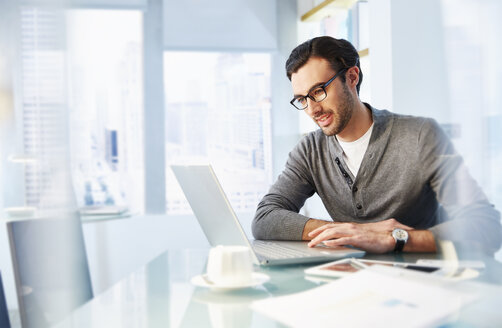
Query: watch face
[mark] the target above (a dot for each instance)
(400, 234)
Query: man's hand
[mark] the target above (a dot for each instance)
(373, 237)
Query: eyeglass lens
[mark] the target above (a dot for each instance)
(317, 95)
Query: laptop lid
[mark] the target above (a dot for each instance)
(210, 205)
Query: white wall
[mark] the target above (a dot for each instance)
(408, 71)
(285, 122)
(380, 54)
(220, 25)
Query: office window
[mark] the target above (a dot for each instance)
(474, 71)
(218, 112)
(43, 99)
(106, 106)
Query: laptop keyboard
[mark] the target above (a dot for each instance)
(273, 250)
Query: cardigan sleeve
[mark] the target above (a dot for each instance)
(469, 217)
(277, 216)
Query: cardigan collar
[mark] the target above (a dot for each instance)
(383, 121)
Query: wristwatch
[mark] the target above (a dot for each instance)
(401, 237)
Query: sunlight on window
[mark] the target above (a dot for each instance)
(106, 101)
(218, 112)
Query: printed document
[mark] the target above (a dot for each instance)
(375, 297)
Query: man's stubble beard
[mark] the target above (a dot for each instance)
(342, 115)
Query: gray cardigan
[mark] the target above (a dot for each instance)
(410, 172)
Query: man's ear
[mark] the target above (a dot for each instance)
(353, 76)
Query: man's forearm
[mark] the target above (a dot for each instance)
(372, 237)
(278, 224)
(420, 241)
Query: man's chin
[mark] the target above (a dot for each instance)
(329, 131)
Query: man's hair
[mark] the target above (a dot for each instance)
(339, 53)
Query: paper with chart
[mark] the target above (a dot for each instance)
(372, 297)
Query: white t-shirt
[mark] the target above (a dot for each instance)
(353, 152)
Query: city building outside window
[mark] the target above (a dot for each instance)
(218, 113)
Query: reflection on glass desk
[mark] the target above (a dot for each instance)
(95, 217)
(160, 295)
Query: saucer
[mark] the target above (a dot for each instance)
(257, 278)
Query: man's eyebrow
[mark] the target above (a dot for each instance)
(311, 88)
(316, 86)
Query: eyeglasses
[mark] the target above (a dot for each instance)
(317, 94)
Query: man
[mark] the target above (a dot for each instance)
(388, 181)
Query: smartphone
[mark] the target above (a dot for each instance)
(345, 267)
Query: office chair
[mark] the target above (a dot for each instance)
(50, 268)
(4, 314)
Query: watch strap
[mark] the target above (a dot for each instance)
(399, 246)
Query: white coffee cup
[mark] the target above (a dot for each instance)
(230, 265)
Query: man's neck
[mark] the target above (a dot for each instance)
(359, 123)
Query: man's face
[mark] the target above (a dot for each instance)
(334, 112)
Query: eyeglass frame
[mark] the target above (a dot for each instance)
(323, 87)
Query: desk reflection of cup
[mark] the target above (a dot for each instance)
(230, 315)
(230, 265)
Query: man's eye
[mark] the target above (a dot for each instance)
(302, 100)
(319, 92)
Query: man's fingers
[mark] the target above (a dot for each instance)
(337, 225)
(325, 235)
(319, 238)
(314, 233)
(317, 231)
(343, 241)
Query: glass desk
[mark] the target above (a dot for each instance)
(160, 295)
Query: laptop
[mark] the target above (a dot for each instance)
(221, 226)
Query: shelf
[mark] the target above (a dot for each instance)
(364, 52)
(327, 8)
(102, 213)
(105, 217)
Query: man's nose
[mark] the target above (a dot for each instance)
(313, 107)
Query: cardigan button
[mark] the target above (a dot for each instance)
(359, 206)
(355, 189)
